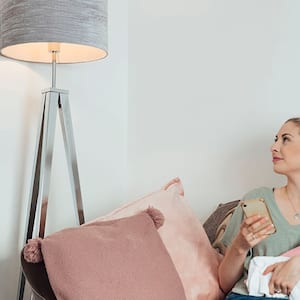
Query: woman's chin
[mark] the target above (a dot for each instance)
(278, 171)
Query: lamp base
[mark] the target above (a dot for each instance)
(53, 100)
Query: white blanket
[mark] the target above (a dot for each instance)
(257, 283)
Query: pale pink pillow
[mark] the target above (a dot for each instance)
(185, 239)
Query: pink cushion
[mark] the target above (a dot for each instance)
(292, 252)
(112, 260)
(184, 237)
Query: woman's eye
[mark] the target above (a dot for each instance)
(285, 139)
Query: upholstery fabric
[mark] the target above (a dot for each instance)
(120, 259)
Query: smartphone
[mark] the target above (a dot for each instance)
(258, 206)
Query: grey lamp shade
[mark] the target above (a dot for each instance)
(76, 28)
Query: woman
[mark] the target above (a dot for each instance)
(284, 205)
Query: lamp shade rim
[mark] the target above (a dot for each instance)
(69, 53)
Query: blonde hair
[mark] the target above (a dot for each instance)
(296, 121)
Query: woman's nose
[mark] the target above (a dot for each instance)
(274, 147)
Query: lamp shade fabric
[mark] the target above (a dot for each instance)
(77, 28)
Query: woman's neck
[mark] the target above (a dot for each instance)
(292, 189)
(288, 201)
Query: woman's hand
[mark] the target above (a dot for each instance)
(231, 267)
(248, 236)
(285, 275)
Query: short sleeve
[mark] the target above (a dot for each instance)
(233, 226)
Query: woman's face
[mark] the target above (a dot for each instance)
(286, 150)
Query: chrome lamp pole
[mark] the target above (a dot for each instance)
(78, 34)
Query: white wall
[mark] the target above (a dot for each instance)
(210, 83)
(98, 99)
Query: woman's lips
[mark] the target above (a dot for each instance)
(276, 159)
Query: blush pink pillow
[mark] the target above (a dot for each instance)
(185, 239)
(110, 260)
(292, 252)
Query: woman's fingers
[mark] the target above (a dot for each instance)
(254, 225)
(270, 269)
(251, 233)
(251, 220)
(284, 277)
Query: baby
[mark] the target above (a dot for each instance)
(257, 283)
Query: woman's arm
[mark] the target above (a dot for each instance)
(231, 267)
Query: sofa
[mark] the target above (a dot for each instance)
(172, 194)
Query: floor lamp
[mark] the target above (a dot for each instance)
(56, 31)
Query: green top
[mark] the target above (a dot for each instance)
(287, 236)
